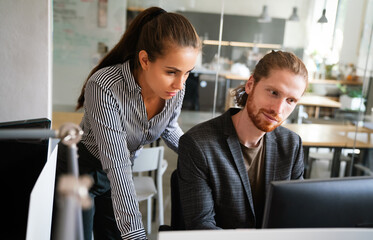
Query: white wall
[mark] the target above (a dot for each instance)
(352, 31)
(25, 59)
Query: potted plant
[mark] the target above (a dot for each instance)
(351, 98)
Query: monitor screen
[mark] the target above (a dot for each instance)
(336, 202)
(22, 163)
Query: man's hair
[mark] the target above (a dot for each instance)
(275, 60)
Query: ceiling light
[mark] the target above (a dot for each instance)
(264, 17)
(323, 18)
(294, 16)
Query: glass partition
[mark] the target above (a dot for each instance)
(363, 141)
(235, 35)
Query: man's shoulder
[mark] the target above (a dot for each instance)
(219, 125)
(210, 127)
(283, 134)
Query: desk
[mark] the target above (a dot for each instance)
(269, 234)
(59, 118)
(317, 102)
(331, 136)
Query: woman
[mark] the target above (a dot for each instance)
(131, 98)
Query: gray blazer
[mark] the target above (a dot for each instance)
(214, 185)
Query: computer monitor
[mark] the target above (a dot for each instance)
(330, 203)
(22, 161)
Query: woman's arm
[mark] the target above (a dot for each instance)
(173, 132)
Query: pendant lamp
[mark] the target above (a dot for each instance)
(323, 18)
(264, 17)
(294, 16)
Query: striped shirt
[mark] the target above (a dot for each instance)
(116, 127)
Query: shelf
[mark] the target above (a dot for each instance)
(235, 77)
(242, 44)
(331, 81)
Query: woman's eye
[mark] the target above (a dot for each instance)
(171, 73)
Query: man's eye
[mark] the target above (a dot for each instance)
(273, 92)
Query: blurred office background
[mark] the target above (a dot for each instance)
(50, 47)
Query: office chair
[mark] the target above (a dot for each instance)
(177, 218)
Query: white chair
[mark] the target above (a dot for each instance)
(316, 158)
(150, 159)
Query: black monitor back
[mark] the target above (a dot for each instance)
(337, 202)
(22, 163)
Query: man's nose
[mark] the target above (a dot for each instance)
(278, 106)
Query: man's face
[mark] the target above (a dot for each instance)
(271, 100)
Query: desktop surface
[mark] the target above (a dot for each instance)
(269, 234)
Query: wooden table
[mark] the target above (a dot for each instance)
(59, 118)
(332, 136)
(317, 102)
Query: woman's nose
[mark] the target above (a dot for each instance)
(179, 83)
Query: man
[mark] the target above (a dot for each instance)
(226, 164)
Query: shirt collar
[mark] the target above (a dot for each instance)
(129, 79)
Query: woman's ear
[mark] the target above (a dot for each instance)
(144, 59)
(249, 85)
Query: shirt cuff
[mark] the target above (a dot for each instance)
(135, 235)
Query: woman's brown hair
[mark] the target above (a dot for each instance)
(153, 30)
(273, 60)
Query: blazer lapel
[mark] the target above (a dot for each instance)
(235, 148)
(271, 155)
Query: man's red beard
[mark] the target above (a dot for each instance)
(257, 119)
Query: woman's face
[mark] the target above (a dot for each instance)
(167, 74)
